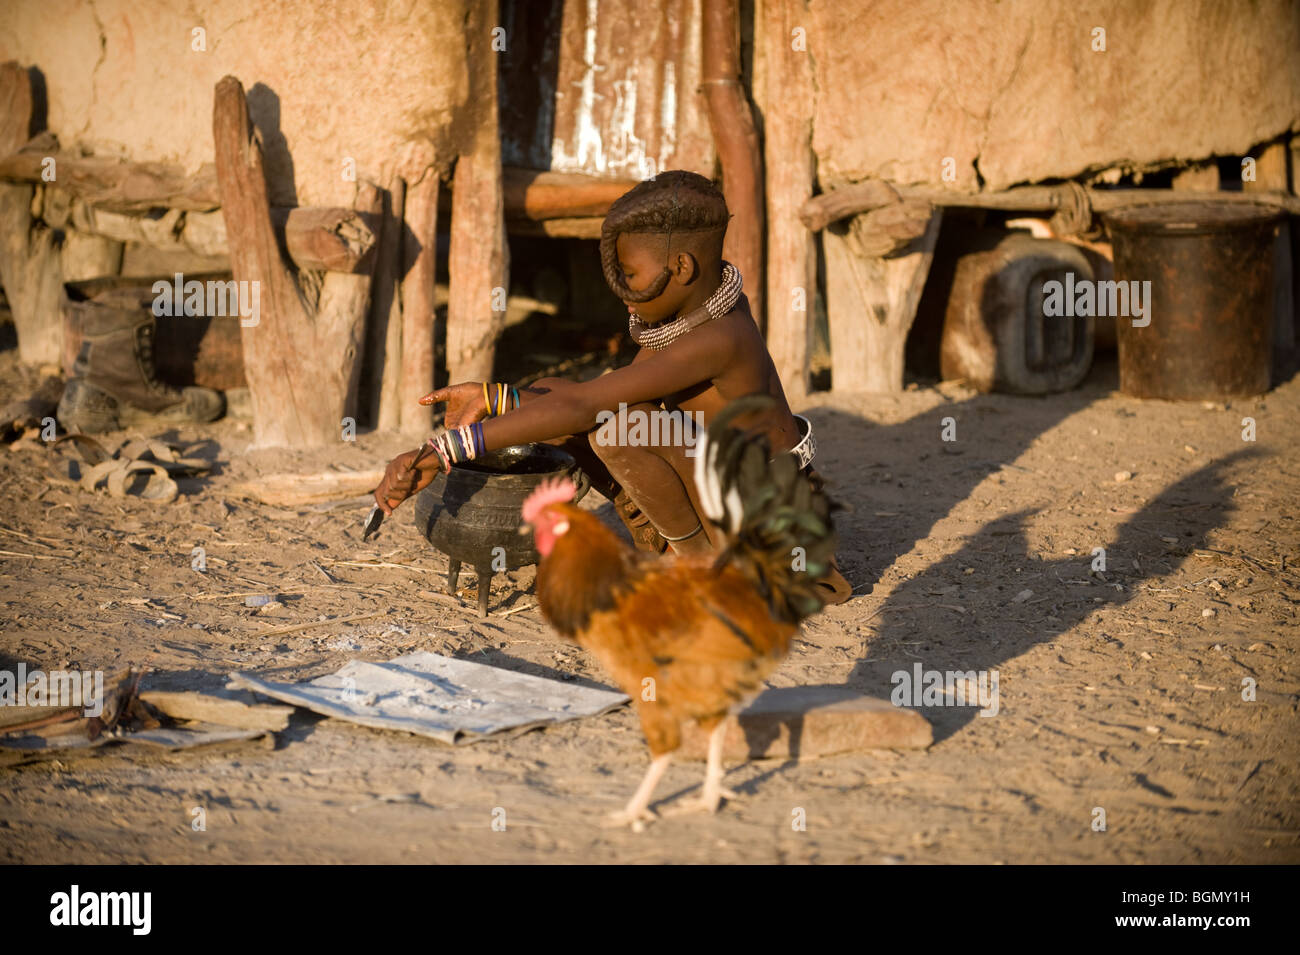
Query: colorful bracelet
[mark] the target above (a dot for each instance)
(497, 398)
(459, 445)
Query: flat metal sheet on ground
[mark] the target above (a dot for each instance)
(455, 701)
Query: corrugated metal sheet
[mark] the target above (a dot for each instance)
(606, 89)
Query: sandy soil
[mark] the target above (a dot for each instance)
(1120, 690)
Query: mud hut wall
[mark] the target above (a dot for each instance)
(375, 88)
(1019, 91)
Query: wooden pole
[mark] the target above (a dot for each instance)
(790, 166)
(736, 139)
(479, 259)
(383, 357)
(418, 305)
(1271, 176)
(29, 255)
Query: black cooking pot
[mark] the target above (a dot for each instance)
(474, 509)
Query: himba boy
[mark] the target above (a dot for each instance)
(700, 349)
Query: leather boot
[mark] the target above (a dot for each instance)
(115, 384)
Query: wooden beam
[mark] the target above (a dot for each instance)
(301, 357)
(116, 184)
(791, 169)
(538, 196)
(821, 210)
(331, 239)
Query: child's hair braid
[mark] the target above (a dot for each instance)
(674, 201)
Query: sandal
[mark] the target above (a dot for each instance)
(121, 472)
(645, 535)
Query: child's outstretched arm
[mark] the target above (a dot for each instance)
(695, 358)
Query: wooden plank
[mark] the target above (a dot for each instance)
(295, 490)
(220, 710)
(871, 303)
(790, 169)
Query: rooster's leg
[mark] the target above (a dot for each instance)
(713, 793)
(638, 812)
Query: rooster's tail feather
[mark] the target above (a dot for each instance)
(777, 525)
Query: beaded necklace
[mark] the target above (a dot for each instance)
(720, 303)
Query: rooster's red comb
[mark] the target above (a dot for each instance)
(550, 491)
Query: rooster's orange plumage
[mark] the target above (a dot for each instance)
(706, 630)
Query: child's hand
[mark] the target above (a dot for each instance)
(465, 403)
(401, 481)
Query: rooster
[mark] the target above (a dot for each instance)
(690, 638)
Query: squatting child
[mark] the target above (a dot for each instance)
(700, 349)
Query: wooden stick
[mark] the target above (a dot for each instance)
(293, 628)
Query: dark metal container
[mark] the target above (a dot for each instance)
(475, 508)
(1210, 265)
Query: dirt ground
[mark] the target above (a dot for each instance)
(1121, 690)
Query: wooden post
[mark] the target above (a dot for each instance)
(418, 305)
(735, 137)
(479, 262)
(29, 256)
(790, 166)
(301, 356)
(1271, 176)
(870, 305)
(383, 356)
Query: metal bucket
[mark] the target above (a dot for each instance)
(1210, 308)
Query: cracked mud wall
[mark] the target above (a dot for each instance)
(1016, 86)
(383, 83)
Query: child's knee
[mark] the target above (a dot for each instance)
(622, 432)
